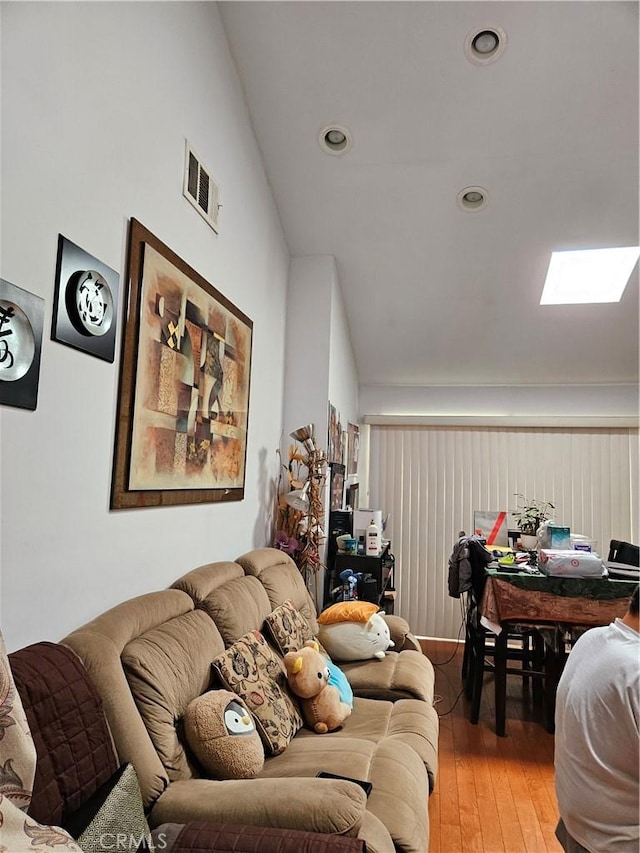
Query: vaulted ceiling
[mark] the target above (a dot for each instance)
(438, 295)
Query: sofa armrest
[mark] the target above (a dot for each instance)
(316, 805)
(411, 644)
(212, 837)
(401, 634)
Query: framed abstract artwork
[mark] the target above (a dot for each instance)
(183, 407)
(85, 302)
(337, 485)
(353, 444)
(21, 321)
(334, 437)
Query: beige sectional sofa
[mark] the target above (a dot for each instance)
(152, 655)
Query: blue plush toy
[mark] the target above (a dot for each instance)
(348, 590)
(339, 680)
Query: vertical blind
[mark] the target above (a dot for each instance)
(431, 479)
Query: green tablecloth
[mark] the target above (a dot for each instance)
(603, 589)
(539, 599)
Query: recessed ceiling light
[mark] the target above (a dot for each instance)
(472, 199)
(588, 275)
(335, 139)
(485, 45)
(485, 42)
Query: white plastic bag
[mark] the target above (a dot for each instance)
(570, 564)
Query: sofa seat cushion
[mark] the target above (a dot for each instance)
(251, 669)
(338, 808)
(400, 786)
(400, 675)
(307, 756)
(408, 721)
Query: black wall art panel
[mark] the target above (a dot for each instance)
(21, 321)
(86, 302)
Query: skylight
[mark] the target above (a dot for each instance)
(588, 275)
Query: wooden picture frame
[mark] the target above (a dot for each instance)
(183, 403)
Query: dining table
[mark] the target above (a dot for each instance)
(559, 608)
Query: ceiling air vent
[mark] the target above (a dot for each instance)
(200, 189)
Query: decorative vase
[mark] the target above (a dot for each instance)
(529, 543)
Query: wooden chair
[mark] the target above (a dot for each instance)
(485, 651)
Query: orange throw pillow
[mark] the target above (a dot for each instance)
(348, 611)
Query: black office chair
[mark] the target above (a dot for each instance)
(486, 652)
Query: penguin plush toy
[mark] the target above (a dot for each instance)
(222, 735)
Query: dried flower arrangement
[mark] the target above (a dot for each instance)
(300, 511)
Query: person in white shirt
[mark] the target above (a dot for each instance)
(597, 741)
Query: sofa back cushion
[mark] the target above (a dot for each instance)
(101, 643)
(238, 607)
(237, 604)
(201, 582)
(281, 580)
(167, 667)
(75, 751)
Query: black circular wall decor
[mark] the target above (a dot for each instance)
(89, 303)
(17, 342)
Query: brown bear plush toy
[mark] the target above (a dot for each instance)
(307, 676)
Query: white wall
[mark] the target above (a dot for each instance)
(320, 365)
(97, 99)
(343, 376)
(497, 404)
(308, 345)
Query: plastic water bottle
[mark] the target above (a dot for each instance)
(373, 539)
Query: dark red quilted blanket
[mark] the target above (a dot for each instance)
(73, 742)
(220, 838)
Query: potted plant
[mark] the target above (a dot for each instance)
(529, 516)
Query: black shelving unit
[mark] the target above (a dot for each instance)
(380, 568)
(340, 522)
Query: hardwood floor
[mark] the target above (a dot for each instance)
(492, 794)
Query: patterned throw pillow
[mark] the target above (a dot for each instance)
(114, 811)
(288, 628)
(251, 669)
